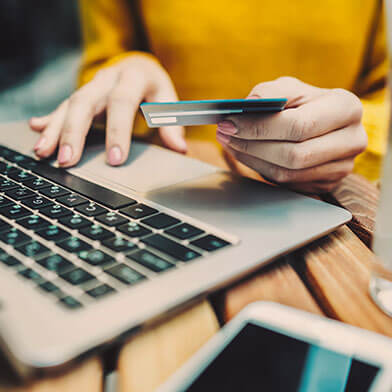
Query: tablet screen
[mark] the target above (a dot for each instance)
(260, 359)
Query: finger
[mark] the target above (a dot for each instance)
(338, 145)
(173, 136)
(331, 171)
(294, 90)
(38, 124)
(84, 105)
(48, 140)
(123, 104)
(328, 112)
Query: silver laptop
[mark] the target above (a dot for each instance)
(93, 254)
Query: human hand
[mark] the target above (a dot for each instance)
(117, 90)
(310, 146)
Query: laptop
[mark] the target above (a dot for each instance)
(90, 255)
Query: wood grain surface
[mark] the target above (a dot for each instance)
(337, 270)
(360, 197)
(87, 377)
(278, 283)
(151, 357)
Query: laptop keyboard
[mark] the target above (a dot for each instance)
(78, 242)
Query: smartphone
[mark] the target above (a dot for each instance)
(187, 113)
(270, 347)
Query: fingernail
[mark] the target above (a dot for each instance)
(65, 154)
(115, 156)
(227, 127)
(40, 143)
(224, 139)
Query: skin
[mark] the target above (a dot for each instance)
(116, 91)
(310, 146)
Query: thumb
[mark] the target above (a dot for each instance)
(294, 90)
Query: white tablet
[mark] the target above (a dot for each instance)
(270, 347)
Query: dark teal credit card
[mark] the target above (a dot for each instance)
(159, 114)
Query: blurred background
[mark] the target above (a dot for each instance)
(40, 54)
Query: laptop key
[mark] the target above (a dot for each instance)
(125, 274)
(134, 230)
(54, 191)
(12, 156)
(7, 169)
(37, 183)
(70, 302)
(9, 260)
(32, 249)
(56, 211)
(100, 291)
(96, 257)
(22, 176)
(19, 193)
(150, 261)
(6, 184)
(184, 231)
(111, 219)
(171, 248)
(96, 232)
(74, 245)
(33, 222)
(77, 276)
(14, 211)
(72, 200)
(56, 263)
(210, 243)
(4, 201)
(28, 273)
(138, 211)
(49, 287)
(37, 202)
(118, 244)
(28, 163)
(160, 221)
(91, 209)
(53, 233)
(75, 222)
(4, 226)
(14, 237)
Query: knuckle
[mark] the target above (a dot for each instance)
(353, 102)
(288, 81)
(361, 140)
(281, 174)
(299, 129)
(123, 97)
(241, 145)
(77, 98)
(298, 157)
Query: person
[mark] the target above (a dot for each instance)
(156, 50)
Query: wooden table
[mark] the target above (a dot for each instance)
(328, 277)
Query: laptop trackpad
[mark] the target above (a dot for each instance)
(148, 167)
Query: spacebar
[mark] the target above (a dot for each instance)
(86, 188)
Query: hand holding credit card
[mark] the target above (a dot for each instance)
(187, 113)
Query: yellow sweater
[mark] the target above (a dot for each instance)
(222, 48)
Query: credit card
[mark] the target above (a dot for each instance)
(159, 114)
